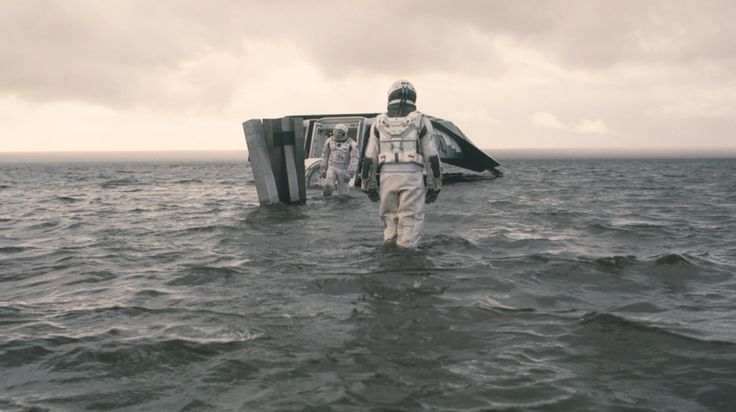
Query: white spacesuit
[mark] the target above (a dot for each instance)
(401, 147)
(339, 161)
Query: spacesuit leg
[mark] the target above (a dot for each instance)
(389, 204)
(330, 180)
(411, 211)
(343, 188)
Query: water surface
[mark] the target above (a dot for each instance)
(568, 284)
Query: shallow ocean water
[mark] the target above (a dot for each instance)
(568, 284)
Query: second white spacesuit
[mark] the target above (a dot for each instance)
(339, 161)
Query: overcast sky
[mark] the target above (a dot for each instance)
(184, 75)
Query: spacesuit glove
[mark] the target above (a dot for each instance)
(347, 178)
(323, 174)
(431, 196)
(372, 194)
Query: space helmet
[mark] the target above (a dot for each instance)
(340, 127)
(402, 92)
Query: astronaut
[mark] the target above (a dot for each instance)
(402, 148)
(339, 161)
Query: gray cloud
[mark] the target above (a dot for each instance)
(98, 51)
(113, 52)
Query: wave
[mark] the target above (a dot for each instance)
(114, 311)
(640, 307)
(642, 226)
(673, 267)
(230, 371)
(130, 358)
(67, 199)
(612, 324)
(444, 241)
(115, 183)
(15, 249)
(202, 275)
(489, 303)
(175, 345)
(663, 261)
(638, 230)
(530, 243)
(617, 262)
(133, 312)
(10, 310)
(94, 276)
(207, 229)
(14, 354)
(74, 225)
(45, 225)
(562, 214)
(150, 293)
(673, 259)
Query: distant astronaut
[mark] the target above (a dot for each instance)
(402, 147)
(339, 161)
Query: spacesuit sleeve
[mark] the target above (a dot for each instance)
(325, 156)
(431, 155)
(353, 165)
(370, 160)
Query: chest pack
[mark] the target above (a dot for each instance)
(340, 153)
(399, 138)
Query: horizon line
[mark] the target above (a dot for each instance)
(585, 148)
(242, 154)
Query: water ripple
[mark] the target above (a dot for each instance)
(565, 285)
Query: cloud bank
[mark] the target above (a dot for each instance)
(626, 66)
